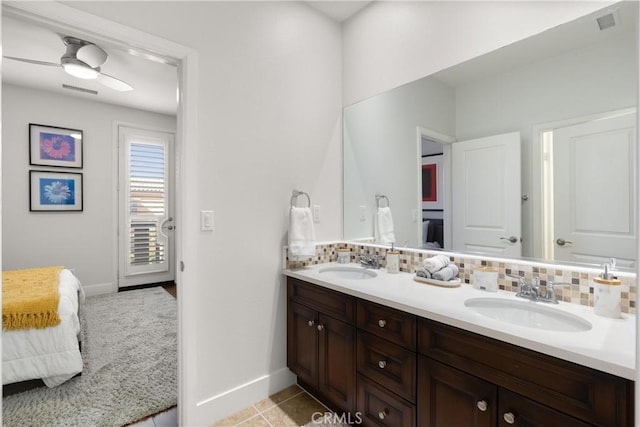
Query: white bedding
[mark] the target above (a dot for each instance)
(52, 354)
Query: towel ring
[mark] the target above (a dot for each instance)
(381, 196)
(297, 193)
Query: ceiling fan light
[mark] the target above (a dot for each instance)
(80, 71)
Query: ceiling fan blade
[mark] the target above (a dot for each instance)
(33, 61)
(114, 83)
(92, 55)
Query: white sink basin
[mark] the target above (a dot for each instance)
(528, 314)
(345, 272)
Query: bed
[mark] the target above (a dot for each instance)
(51, 354)
(432, 233)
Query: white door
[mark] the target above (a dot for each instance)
(593, 185)
(146, 225)
(486, 199)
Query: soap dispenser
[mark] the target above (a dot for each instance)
(393, 261)
(606, 291)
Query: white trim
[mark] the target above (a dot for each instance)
(231, 401)
(99, 289)
(82, 23)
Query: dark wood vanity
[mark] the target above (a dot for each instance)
(396, 369)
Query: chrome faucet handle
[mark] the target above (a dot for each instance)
(522, 284)
(550, 294)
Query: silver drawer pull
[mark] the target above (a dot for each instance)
(509, 418)
(311, 322)
(320, 327)
(382, 323)
(382, 414)
(482, 405)
(382, 364)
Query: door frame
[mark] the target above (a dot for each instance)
(186, 59)
(446, 142)
(537, 207)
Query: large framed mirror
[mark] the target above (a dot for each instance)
(528, 151)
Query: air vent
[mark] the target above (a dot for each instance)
(80, 89)
(607, 21)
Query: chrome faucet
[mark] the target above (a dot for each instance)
(531, 291)
(370, 261)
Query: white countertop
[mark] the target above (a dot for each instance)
(609, 346)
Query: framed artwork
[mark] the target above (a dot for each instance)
(432, 182)
(55, 146)
(55, 191)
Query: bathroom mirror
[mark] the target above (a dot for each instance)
(572, 75)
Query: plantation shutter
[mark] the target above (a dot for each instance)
(147, 202)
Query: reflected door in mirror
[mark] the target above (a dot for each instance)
(593, 186)
(486, 182)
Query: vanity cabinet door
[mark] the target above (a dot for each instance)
(449, 397)
(302, 342)
(515, 410)
(337, 361)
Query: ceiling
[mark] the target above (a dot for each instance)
(154, 82)
(339, 11)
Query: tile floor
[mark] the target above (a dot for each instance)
(290, 407)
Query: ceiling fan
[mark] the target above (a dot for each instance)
(82, 60)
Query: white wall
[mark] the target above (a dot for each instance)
(269, 106)
(381, 154)
(391, 43)
(81, 240)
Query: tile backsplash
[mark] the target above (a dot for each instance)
(579, 281)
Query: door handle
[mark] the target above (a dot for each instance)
(162, 224)
(562, 242)
(512, 239)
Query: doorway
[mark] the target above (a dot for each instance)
(146, 209)
(588, 183)
(185, 59)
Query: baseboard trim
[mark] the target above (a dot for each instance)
(99, 289)
(231, 401)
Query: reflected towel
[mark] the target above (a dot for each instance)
(301, 233)
(384, 226)
(435, 263)
(447, 273)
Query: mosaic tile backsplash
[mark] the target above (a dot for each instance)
(579, 288)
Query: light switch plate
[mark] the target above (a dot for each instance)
(206, 220)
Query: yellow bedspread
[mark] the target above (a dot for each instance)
(30, 298)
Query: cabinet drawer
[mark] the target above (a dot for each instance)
(379, 407)
(584, 393)
(388, 364)
(336, 304)
(394, 325)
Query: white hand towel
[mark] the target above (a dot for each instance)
(301, 233)
(435, 263)
(447, 273)
(384, 226)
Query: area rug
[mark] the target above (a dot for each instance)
(129, 351)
